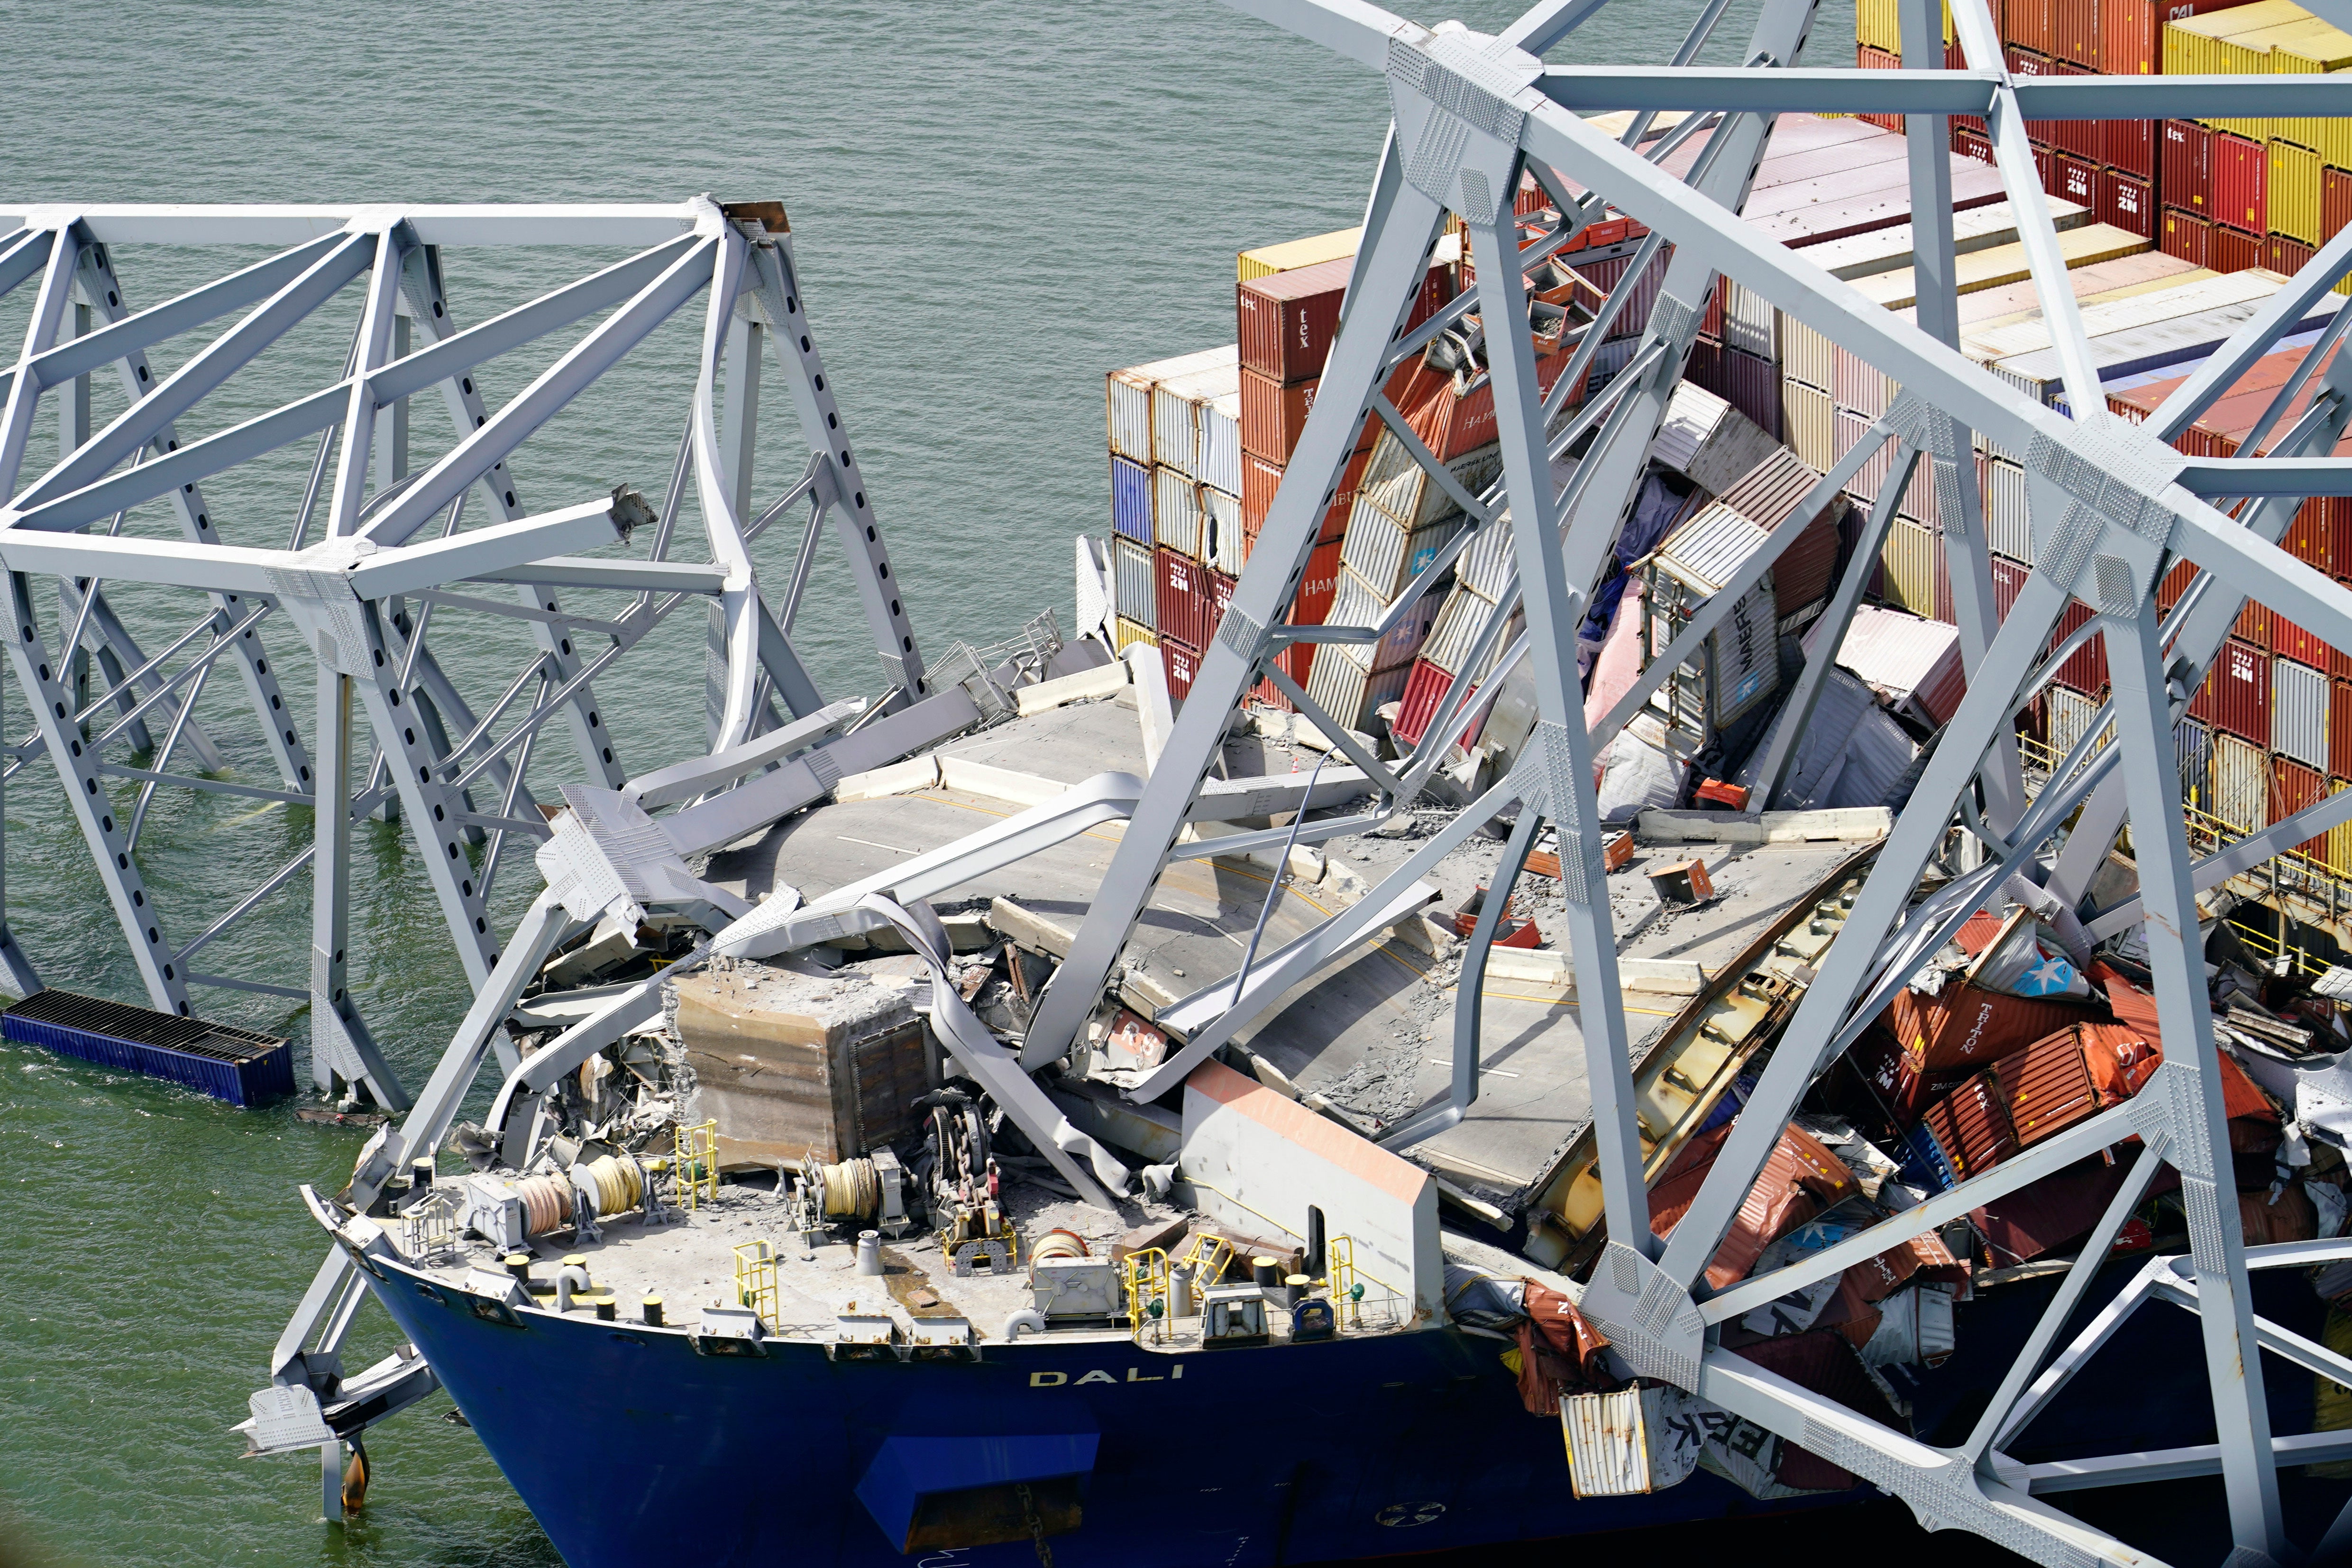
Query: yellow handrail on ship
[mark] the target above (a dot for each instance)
(696, 1166)
(755, 1279)
(1146, 1286)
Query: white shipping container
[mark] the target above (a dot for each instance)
(1626, 1443)
(1135, 595)
(2071, 713)
(1486, 562)
(1176, 511)
(2173, 341)
(2192, 746)
(1221, 529)
(2002, 338)
(1355, 603)
(1348, 692)
(1409, 493)
(1220, 442)
(1179, 405)
(1128, 397)
(1750, 324)
(2299, 713)
(1892, 249)
(2237, 790)
(2009, 528)
(1380, 550)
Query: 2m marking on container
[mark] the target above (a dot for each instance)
(1134, 1374)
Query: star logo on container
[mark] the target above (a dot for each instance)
(2048, 978)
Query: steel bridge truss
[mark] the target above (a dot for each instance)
(380, 548)
(2112, 508)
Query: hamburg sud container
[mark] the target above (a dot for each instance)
(1127, 398)
(2236, 696)
(1738, 665)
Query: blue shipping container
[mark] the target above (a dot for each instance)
(237, 1065)
(1130, 498)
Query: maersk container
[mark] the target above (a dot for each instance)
(1127, 398)
(1741, 667)
(1135, 590)
(1130, 498)
(2237, 790)
(2299, 713)
(1176, 512)
(1179, 410)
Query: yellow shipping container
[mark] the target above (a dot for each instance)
(2339, 838)
(1293, 254)
(1127, 633)
(1879, 24)
(1807, 416)
(2314, 48)
(2295, 191)
(2203, 46)
(1998, 265)
(1910, 560)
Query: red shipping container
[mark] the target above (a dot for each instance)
(2290, 641)
(1424, 689)
(2187, 236)
(2046, 166)
(2286, 255)
(1219, 589)
(1181, 665)
(1963, 1029)
(2231, 251)
(2129, 145)
(2175, 584)
(1866, 57)
(2126, 202)
(2007, 579)
(1705, 369)
(2131, 32)
(1262, 477)
(2293, 788)
(2029, 25)
(1752, 385)
(1274, 416)
(2241, 173)
(1318, 586)
(2030, 61)
(1286, 319)
(2079, 137)
(2078, 180)
(2188, 173)
(2074, 35)
(1972, 143)
(2085, 669)
(1972, 1126)
(1451, 424)
(1181, 594)
(2339, 728)
(2047, 1086)
(2253, 627)
(2236, 696)
(2335, 203)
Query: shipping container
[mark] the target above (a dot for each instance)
(1770, 496)
(1424, 689)
(1412, 497)
(2338, 841)
(1348, 692)
(2075, 138)
(1261, 478)
(2299, 713)
(2008, 579)
(1318, 583)
(1914, 564)
(1454, 636)
(1972, 144)
(2240, 184)
(1866, 57)
(1179, 411)
(2131, 32)
(1182, 590)
(1808, 417)
(1292, 254)
(2074, 34)
(2069, 717)
(1452, 421)
(1274, 416)
(2078, 176)
(1127, 398)
(1750, 324)
(2187, 181)
(2294, 189)
(1130, 498)
(2237, 790)
(2293, 788)
(1176, 512)
(2128, 202)
(1181, 663)
(2284, 256)
(2030, 24)
(1220, 442)
(1127, 633)
(2187, 236)
(2008, 526)
(2045, 165)
(2085, 670)
(1752, 385)
(1962, 1028)
(2236, 696)
(1222, 542)
(2200, 45)
(1857, 386)
(2335, 203)
(2314, 48)
(1488, 562)
(2233, 251)
(2192, 748)
(2339, 731)
(1135, 583)
(1380, 550)
(1739, 666)
(1286, 319)
(2128, 147)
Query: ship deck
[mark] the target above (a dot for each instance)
(1369, 1037)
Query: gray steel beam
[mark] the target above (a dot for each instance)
(1934, 91)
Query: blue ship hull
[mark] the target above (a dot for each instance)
(630, 1446)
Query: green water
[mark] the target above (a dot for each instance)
(992, 206)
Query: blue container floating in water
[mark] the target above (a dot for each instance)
(237, 1065)
(1130, 498)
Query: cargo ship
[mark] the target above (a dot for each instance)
(850, 1196)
